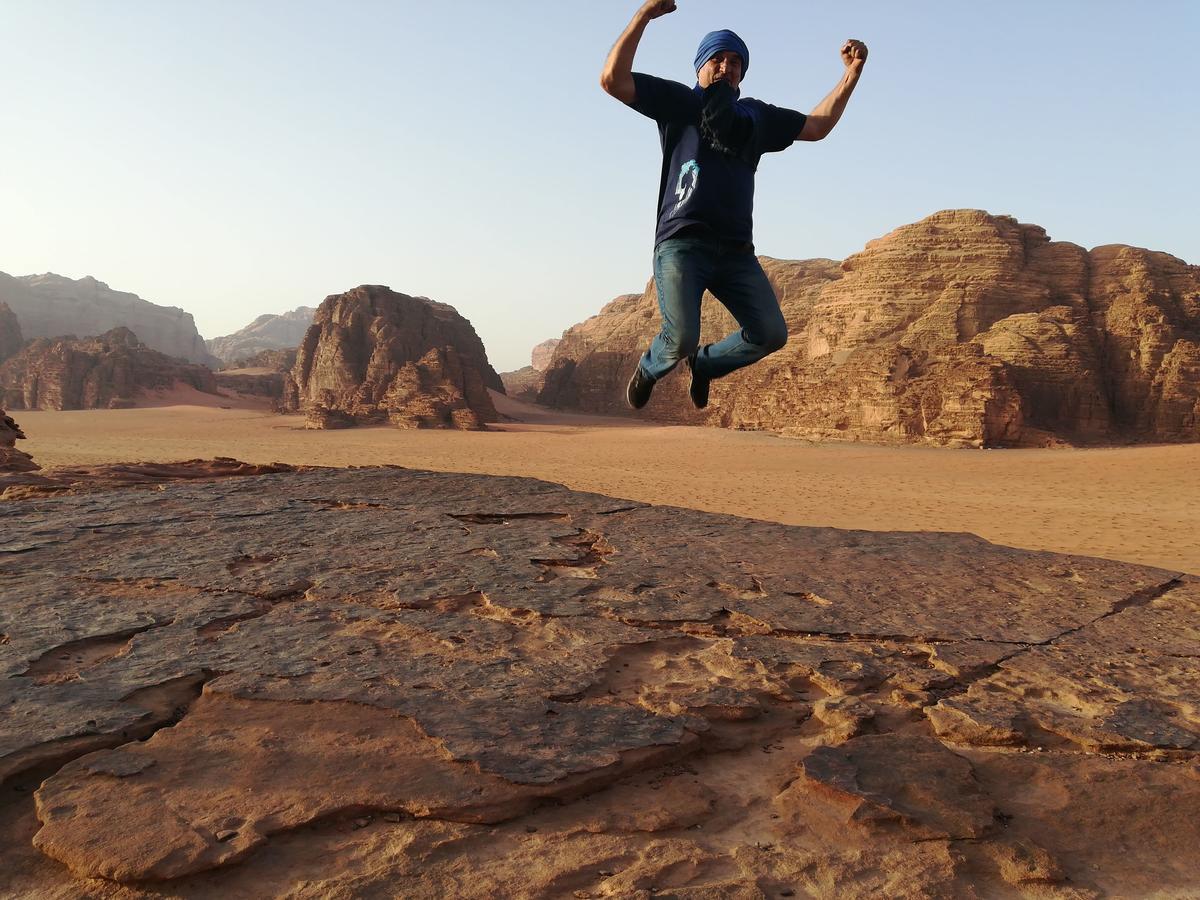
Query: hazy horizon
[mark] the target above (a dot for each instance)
(234, 160)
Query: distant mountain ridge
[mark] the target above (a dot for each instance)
(284, 331)
(51, 306)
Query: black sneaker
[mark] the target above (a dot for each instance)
(698, 390)
(637, 392)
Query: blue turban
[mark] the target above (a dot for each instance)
(716, 41)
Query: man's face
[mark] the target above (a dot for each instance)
(723, 66)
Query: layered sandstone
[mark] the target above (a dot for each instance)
(11, 338)
(963, 329)
(268, 332)
(375, 356)
(109, 371)
(389, 682)
(50, 306)
(526, 383)
(12, 459)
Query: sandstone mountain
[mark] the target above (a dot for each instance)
(374, 356)
(963, 329)
(526, 383)
(398, 683)
(12, 459)
(51, 306)
(267, 332)
(108, 371)
(11, 339)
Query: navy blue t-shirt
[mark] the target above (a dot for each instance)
(701, 185)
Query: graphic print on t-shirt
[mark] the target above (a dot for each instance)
(685, 186)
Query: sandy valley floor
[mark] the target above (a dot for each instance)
(1140, 504)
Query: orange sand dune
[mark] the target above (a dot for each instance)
(1140, 504)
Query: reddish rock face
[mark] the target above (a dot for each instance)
(104, 372)
(961, 329)
(543, 354)
(374, 356)
(10, 333)
(12, 459)
(526, 383)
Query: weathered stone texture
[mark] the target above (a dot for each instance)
(51, 306)
(11, 339)
(109, 371)
(962, 329)
(424, 684)
(12, 459)
(374, 356)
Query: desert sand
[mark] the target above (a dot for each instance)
(1137, 504)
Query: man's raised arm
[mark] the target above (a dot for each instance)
(827, 113)
(617, 77)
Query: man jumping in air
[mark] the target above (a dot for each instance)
(712, 141)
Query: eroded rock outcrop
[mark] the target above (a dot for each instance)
(526, 383)
(11, 338)
(524, 689)
(109, 371)
(284, 331)
(374, 356)
(263, 374)
(963, 329)
(49, 306)
(12, 459)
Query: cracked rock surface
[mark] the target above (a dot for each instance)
(388, 682)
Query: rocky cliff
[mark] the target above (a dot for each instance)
(267, 332)
(11, 339)
(50, 306)
(962, 329)
(12, 459)
(526, 383)
(373, 355)
(108, 371)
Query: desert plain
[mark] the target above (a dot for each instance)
(1136, 503)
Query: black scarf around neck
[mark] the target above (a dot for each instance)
(724, 126)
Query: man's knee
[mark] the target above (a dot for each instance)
(774, 337)
(679, 346)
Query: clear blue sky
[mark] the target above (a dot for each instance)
(236, 158)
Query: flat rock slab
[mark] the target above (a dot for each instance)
(211, 669)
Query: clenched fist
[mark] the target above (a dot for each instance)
(652, 9)
(854, 54)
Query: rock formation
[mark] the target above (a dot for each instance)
(109, 371)
(374, 356)
(963, 329)
(260, 375)
(12, 459)
(11, 339)
(387, 682)
(50, 306)
(526, 383)
(268, 332)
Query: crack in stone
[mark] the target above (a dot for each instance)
(1144, 597)
(506, 518)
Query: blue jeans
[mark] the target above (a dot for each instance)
(683, 268)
